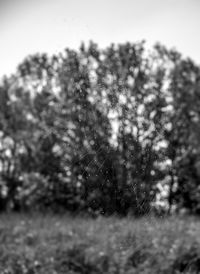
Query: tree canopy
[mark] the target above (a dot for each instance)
(112, 130)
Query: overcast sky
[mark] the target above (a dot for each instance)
(28, 26)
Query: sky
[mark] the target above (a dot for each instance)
(28, 27)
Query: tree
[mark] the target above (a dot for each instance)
(101, 130)
(185, 137)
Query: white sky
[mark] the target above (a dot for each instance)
(30, 26)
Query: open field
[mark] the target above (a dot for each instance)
(63, 244)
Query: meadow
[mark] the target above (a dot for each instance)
(37, 243)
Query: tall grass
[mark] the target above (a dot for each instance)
(63, 244)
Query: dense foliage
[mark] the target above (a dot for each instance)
(106, 131)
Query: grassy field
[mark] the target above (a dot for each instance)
(62, 244)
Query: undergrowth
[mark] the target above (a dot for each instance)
(39, 244)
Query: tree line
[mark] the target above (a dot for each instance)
(105, 131)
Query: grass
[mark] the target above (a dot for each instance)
(62, 244)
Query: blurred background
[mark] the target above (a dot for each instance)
(92, 117)
(99, 137)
